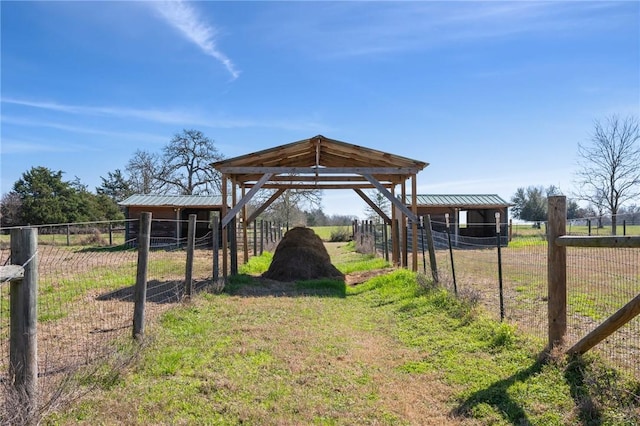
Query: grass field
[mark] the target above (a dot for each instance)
(390, 350)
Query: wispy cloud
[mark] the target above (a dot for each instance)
(14, 146)
(170, 117)
(186, 19)
(407, 26)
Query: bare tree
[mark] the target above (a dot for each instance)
(381, 202)
(289, 207)
(186, 164)
(609, 173)
(10, 209)
(143, 169)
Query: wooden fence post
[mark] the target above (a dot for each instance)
(557, 271)
(23, 341)
(432, 250)
(234, 246)
(216, 249)
(140, 291)
(191, 242)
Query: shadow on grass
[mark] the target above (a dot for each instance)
(498, 397)
(157, 292)
(250, 286)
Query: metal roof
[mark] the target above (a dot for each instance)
(172, 200)
(460, 200)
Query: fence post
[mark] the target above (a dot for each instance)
(140, 291)
(453, 268)
(215, 249)
(255, 237)
(261, 237)
(499, 244)
(234, 246)
(557, 271)
(23, 342)
(68, 236)
(191, 242)
(432, 250)
(110, 234)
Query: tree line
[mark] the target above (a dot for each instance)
(607, 178)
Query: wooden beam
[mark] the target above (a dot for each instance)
(371, 204)
(234, 211)
(394, 201)
(266, 204)
(314, 186)
(596, 241)
(608, 327)
(320, 170)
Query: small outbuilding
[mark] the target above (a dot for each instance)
(170, 214)
(471, 216)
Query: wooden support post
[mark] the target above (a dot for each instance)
(110, 234)
(225, 231)
(68, 235)
(23, 339)
(245, 242)
(395, 234)
(414, 224)
(405, 229)
(140, 290)
(557, 271)
(191, 243)
(234, 235)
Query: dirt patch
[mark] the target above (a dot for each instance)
(356, 278)
(301, 255)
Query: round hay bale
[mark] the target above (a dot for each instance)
(301, 255)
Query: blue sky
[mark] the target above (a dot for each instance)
(494, 95)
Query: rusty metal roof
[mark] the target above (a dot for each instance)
(149, 200)
(460, 200)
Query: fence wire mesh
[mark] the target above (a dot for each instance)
(85, 299)
(599, 281)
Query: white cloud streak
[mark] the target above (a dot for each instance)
(185, 19)
(180, 118)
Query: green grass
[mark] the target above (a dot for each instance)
(324, 232)
(359, 358)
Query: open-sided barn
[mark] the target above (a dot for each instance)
(479, 209)
(170, 214)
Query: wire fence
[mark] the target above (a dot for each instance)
(85, 302)
(511, 283)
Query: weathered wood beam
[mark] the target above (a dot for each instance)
(315, 186)
(608, 327)
(596, 241)
(234, 211)
(320, 170)
(266, 204)
(371, 204)
(399, 204)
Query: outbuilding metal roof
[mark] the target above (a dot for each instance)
(460, 200)
(148, 200)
